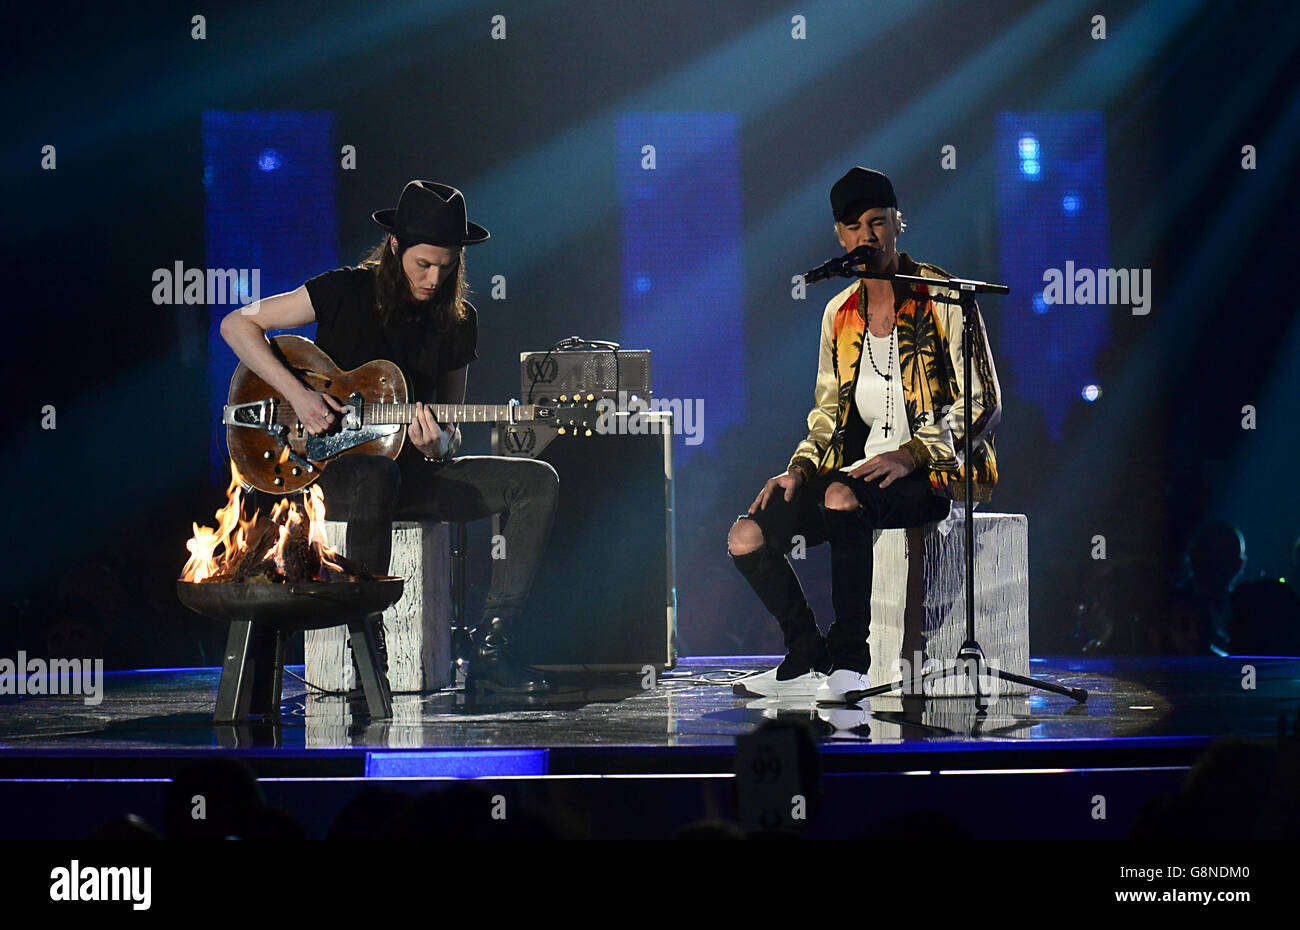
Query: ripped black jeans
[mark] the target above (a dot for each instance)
(908, 501)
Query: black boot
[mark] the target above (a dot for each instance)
(777, 586)
(494, 668)
(851, 571)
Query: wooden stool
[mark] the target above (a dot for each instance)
(417, 629)
(918, 599)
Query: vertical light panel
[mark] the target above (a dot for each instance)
(269, 178)
(681, 235)
(1052, 214)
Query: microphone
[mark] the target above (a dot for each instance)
(840, 266)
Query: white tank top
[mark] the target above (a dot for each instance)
(870, 398)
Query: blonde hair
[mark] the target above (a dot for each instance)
(895, 214)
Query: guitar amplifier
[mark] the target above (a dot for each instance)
(605, 596)
(546, 375)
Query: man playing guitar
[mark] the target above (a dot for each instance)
(406, 303)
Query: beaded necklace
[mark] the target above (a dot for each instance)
(889, 366)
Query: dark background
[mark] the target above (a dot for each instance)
(97, 511)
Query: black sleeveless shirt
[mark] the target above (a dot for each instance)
(350, 332)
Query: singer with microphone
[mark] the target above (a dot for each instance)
(884, 440)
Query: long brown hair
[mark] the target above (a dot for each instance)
(393, 298)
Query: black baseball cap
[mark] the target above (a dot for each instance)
(860, 190)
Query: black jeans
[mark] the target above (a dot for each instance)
(371, 491)
(908, 501)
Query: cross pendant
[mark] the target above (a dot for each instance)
(886, 429)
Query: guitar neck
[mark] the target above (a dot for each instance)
(383, 414)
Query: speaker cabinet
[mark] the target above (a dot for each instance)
(605, 596)
(544, 376)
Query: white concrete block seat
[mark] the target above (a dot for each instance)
(417, 628)
(918, 599)
(918, 605)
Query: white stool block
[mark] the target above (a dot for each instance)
(332, 724)
(918, 600)
(417, 628)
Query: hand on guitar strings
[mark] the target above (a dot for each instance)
(313, 410)
(425, 434)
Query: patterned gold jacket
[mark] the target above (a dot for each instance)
(929, 353)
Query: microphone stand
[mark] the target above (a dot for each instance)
(970, 655)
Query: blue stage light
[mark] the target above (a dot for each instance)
(1091, 392)
(303, 241)
(457, 763)
(1054, 350)
(680, 242)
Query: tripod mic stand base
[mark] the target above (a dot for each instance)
(969, 653)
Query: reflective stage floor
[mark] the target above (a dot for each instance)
(610, 759)
(1156, 710)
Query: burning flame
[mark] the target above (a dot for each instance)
(215, 551)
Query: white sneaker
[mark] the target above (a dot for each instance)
(845, 719)
(764, 684)
(840, 682)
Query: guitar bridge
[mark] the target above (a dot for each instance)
(258, 414)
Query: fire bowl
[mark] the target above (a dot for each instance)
(262, 615)
(311, 605)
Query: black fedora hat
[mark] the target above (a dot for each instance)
(433, 213)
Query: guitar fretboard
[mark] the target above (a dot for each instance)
(384, 414)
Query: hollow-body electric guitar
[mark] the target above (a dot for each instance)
(276, 454)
